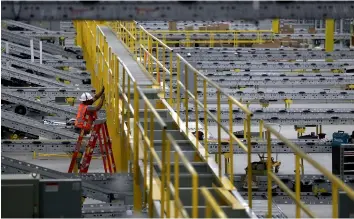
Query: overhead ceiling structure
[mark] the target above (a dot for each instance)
(175, 10)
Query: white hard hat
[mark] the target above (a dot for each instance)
(85, 97)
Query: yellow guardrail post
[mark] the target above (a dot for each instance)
(219, 131)
(300, 154)
(137, 190)
(269, 179)
(231, 143)
(249, 159)
(205, 101)
(211, 205)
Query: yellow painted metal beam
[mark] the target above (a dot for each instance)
(329, 42)
(276, 25)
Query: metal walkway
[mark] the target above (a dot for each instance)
(118, 48)
(162, 125)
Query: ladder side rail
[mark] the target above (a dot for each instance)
(89, 150)
(106, 147)
(110, 152)
(76, 151)
(102, 149)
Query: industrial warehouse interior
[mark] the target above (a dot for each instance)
(177, 109)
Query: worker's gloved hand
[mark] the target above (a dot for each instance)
(102, 88)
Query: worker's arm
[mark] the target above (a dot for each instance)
(99, 106)
(98, 95)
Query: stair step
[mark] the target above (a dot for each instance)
(204, 179)
(190, 155)
(164, 113)
(184, 145)
(200, 167)
(171, 125)
(230, 213)
(185, 195)
(176, 134)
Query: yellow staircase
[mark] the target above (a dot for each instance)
(174, 175)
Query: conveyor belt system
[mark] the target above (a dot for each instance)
(43, 146)
(231, 81)
(279, 94)
(51, 92)
(106, 210)
(46, 33)
(67, 145)
(77, 78)
(63, 63)
(286, 74)
(315, 120)
(9, 73)
(25, 41)
(18, 49)
(308, 145)
(62, 111)
(108, 193)
(283, 116)
(231, 56)
(225, 65)
(259, 51)
(23, 25)
(230, 36)
(311, 185)
(31, 126)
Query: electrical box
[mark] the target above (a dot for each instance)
(60, 198)
(19, 195)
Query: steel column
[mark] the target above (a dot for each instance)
(329, 42)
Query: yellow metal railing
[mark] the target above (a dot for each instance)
(213, 37)
(337, 184)
(148, 59)
(124, 98)
(211, 205)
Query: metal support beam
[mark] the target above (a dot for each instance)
(174, 10)
(275, 25)
(329, 42)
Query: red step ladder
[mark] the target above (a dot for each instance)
(100, 133)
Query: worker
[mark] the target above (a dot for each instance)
(87, 100)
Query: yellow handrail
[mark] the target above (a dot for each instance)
(211, 204)
(148, 43)
(212, 37)
(124, 98)
(300, 154)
